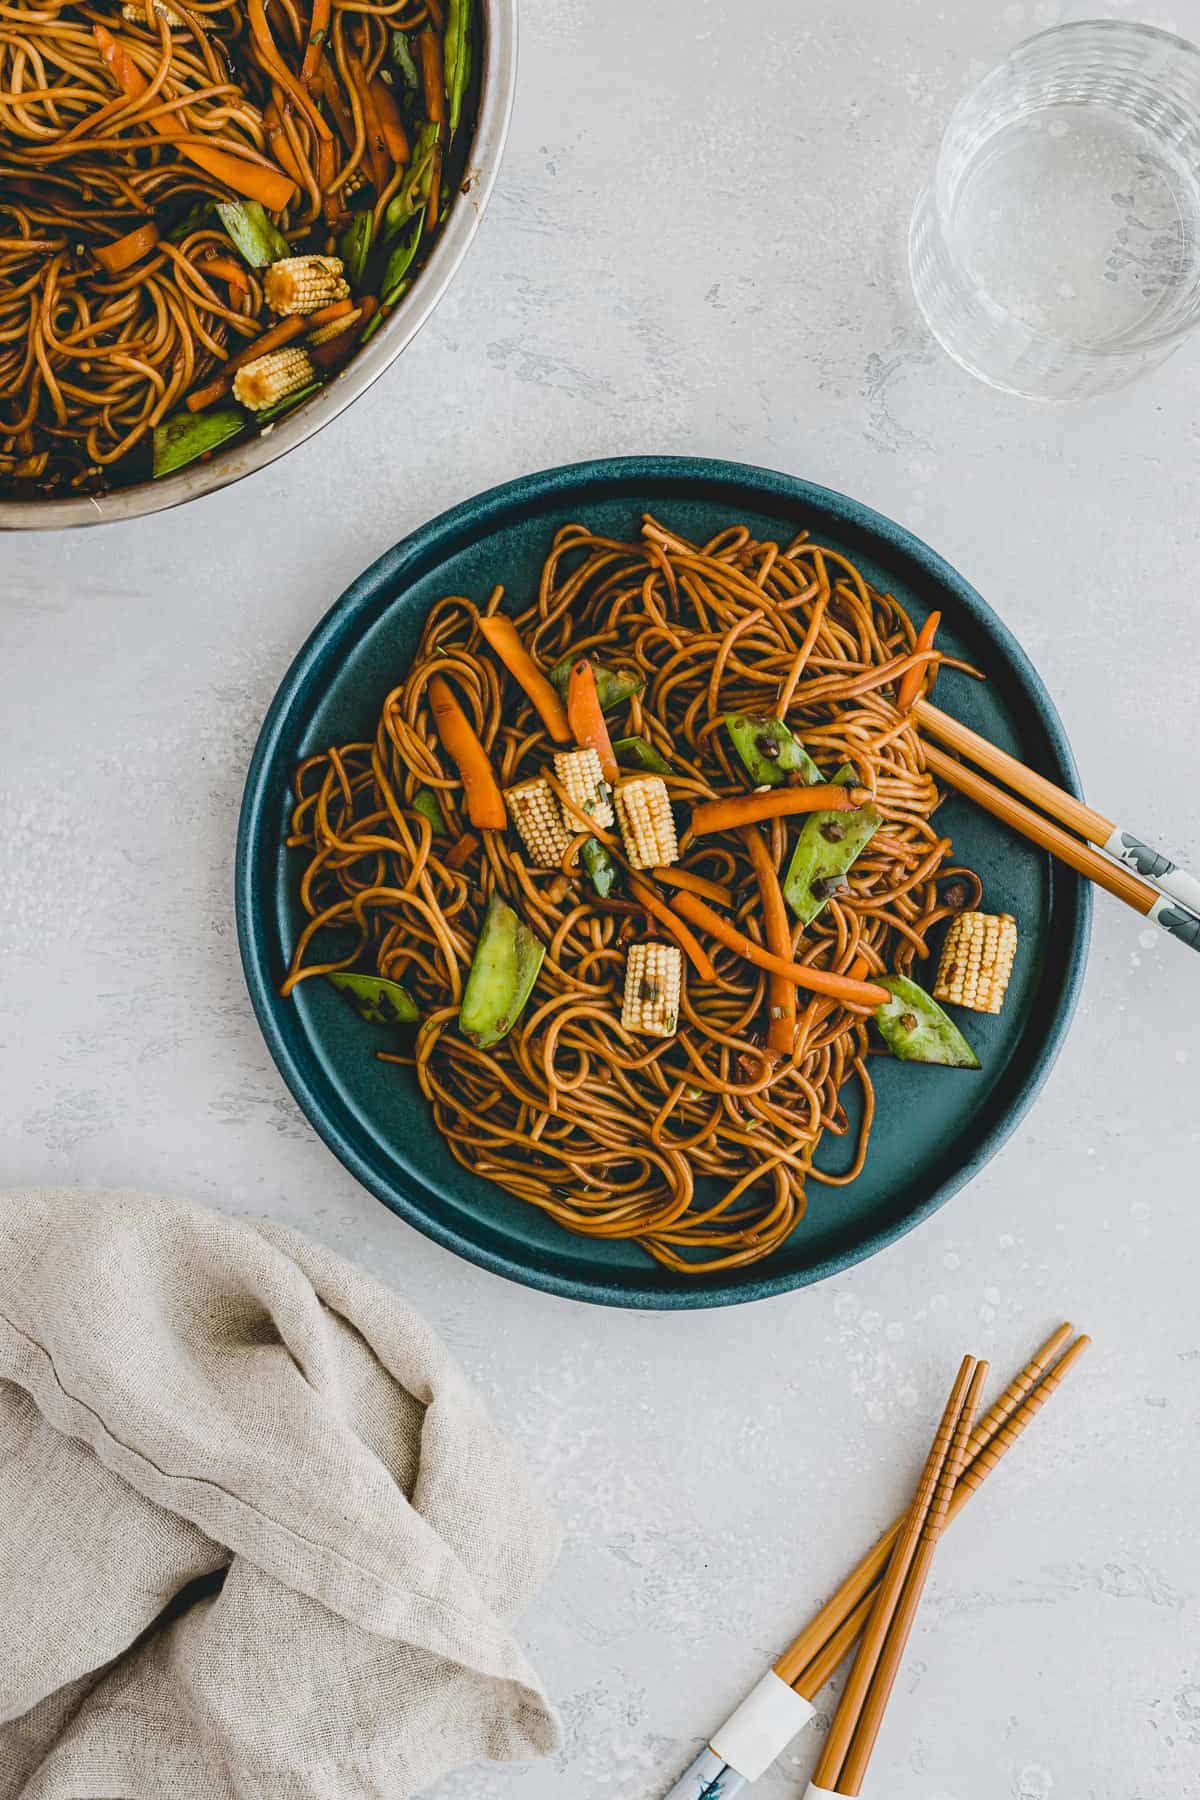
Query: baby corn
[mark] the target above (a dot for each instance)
(647, 825)
(335, 327)
(535, 812)
(976, 961)
(303, 284)
(653, 974)
(136, 15)
(584, 785)
(271, 378)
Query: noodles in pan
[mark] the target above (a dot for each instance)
(699, 1144)
(156, 158)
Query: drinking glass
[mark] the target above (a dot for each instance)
(1056, 251)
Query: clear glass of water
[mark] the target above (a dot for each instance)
(1056, 251)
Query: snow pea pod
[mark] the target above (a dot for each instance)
(827, 847)
(503, 970)
(773, 754)
(613, 686)
(180, 439)
(257, 238)
(378, 1001)
(637, 753)
(426, 802)
(915, 1029)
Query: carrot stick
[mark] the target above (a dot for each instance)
(695, 884)
(388, 109)
(431, 76)
(335, 349)
(318, 31)
(504, 638)
(461, 852)
(256, 182)
(225, 269)
(377, 150)
(275, 339)
(781, 993)
(280, 144)
(585, 716)
(910, 681)
(748, 809)
(260, 31)
(817, 981)
(692, 949)
(124, 251)
(485, 802)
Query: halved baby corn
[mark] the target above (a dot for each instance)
(976, 961)
(535, 812)
(584, 785)
(653, 977)
(271, 378)
(647, 824)
(303, 284)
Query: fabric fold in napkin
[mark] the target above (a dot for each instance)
(258, 1537)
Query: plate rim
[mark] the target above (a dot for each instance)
(476, 516)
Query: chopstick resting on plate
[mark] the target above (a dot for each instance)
(781, 1704)
(1170, 897)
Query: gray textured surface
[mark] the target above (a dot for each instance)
(696, 246)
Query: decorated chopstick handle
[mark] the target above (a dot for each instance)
(748, 1742)
(709, 1777)
(1182, 921)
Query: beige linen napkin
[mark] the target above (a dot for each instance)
(258, 1538)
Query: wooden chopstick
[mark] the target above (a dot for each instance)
(871, 1718)
(1129, 849)
(979, 1465)
(817, 1634)
(1077, 855)
(929, 1490)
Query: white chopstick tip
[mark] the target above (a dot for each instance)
(816, 1793)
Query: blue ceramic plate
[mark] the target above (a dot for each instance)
(935, 1128)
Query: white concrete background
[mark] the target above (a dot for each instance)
(696, 246)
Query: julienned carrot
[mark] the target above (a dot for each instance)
(225, 269)
(318, 31)
(275, 66)
(504, 638)
(910, 681)
(431, 76)
(817, 981)
(377, 149)
(388, 109)
(275, 339)
(125, 251)
(280, 144)
(485, 802)
(695, 884)
(461, 852)
(748, 809)
(695, 952)
(585, 716)
(270, 185)
(781, 993)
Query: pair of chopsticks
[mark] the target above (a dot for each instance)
(781, 1704)
(1121, 861)
(851, 1739)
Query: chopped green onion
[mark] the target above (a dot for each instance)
(403, 58)
(286, 404)
(354, 246)
(400, 261)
